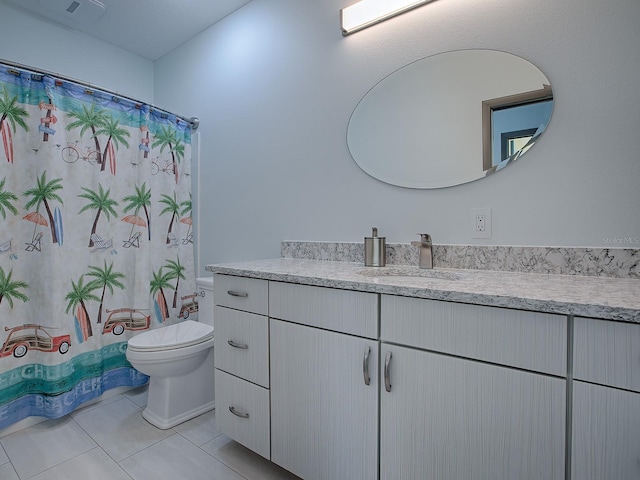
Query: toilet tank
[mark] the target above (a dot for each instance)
(204, 286)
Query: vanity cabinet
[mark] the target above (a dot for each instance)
(333, 384)
(606, 400)
(241, 357)
(452, 405)
(324, 382)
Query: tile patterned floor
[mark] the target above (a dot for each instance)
(110, 440)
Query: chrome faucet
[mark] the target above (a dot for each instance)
(426, 252)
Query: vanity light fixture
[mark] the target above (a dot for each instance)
(365, 13)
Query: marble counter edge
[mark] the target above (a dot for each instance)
(288, 270)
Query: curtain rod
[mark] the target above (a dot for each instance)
(193, 122)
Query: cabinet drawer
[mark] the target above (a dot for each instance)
(342, 311)
(248, 294)
(242, 344)
(528, 340)
(607, 353)
(250, 424)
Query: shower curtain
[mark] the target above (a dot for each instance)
(96, 239)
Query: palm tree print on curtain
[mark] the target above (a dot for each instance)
(101, 202)
(140, 200)
(167, 139)
(11, 289)
(89, 118)
(172, 207)
(116, 135)
(42, 194)
(175, 271)
(94, 247)
(160, 281)
(11, 115)
(105, 278)
(7, 200)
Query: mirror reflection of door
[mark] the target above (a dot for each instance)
(512, 142)
(511, 124)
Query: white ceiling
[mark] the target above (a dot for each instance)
(150, 28)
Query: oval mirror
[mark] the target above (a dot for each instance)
(450, 118)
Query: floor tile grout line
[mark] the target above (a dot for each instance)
(97, 447)
(151, 445)
(146, 447)
(103, 449)
(89, 435)
(223, 463)
(85, 409)
(5, 451)
(114, 460)
(122, 469)
(134, 453)
(195, 444)
(128, 399)
(14, 469)
(68, 417)
(186, 434)
(230, 467)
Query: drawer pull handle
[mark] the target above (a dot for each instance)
(365, 366)
(234, 293)
(233, 410)
(387, 376)
(237, 345)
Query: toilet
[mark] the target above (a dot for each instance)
(179, 361)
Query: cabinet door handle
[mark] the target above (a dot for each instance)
(233, 410)
(235, 293)
(237, 345)
(365, 366)
(387, 376)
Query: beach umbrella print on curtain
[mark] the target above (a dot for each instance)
(187, 221)
(134, 238)
(38, 219)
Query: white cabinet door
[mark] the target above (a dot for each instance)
(324, 418)
(451, 418)
(606, 433)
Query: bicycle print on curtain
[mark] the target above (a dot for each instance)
(95, 239)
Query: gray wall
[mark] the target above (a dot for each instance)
(31, 40)
(274, 85)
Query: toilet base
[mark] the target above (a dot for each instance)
(166, 423)
(173, 400)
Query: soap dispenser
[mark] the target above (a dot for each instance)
(375, 250)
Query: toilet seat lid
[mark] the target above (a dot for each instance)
(181, 334)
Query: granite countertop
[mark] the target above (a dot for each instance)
(589, 296)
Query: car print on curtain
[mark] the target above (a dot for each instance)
(95, 239)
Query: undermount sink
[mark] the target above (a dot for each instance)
(409, 273)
